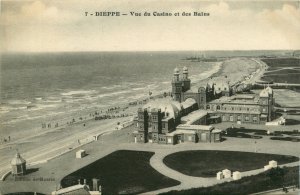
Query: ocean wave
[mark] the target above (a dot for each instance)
(111, 87)
(78, 92)
(138, 88)
(18, 102)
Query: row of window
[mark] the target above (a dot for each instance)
(239, 118)
(232, 108)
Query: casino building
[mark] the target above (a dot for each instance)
(186, 115)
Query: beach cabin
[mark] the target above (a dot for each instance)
(236, 175)
(273, 164)
(80, 154)
(220, 175)
(226, 173)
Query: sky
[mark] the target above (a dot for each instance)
(61, 25)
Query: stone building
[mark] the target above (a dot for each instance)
(218, 99)
(159, 122)
(181, 89)
(159, 117)
(183, 118)
(249, 108)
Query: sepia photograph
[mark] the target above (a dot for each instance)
(149, 97)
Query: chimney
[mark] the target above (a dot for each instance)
(79, 181)
(84, 181)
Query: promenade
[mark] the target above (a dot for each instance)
(61, 166)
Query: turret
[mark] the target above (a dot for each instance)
(177, 86)
(176, 75)
(186, 82)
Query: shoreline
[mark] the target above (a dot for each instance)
(89, 125)
(89, 113)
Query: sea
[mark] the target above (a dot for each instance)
(45, 86)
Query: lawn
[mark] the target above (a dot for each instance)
(206, 163)
(272, 179)
(284, 75)
(122, 172)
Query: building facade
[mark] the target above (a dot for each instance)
(218, 99)
(185, 117)
(250, 108)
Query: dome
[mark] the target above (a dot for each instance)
(166, 105)
(269, 90)
(264, 93)
(176, 71)
(17, 160)
(185, 69)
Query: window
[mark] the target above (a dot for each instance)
(224, 118)
(264, 110)
(208, 107)
(231, 118)
(254, 119)
(154, 117)
(153, 127)
(248, 109)
(163, 125)
(190, 138)
(239, 117)
(218, 107)
(247, 118)
(232, 108)
(202, 99)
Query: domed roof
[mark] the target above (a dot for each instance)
(269, 90)
(185, 69)
(17, 160)
(166, 105)
(264, 93)
(176, 71)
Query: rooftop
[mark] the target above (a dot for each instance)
(195, 127)
(166, 105)
(238, 99)
(194, 116)
(180, 132)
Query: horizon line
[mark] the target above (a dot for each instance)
(135, 51)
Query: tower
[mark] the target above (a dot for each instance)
(143, 120)
(201, 99)
(156, 117)
(186, 82)
(176, 86)
(264, 102)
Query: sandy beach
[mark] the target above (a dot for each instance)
(34, 143)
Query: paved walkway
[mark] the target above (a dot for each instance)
(188, 182)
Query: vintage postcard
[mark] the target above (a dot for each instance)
(149, 97)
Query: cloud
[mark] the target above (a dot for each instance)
(62, 25)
